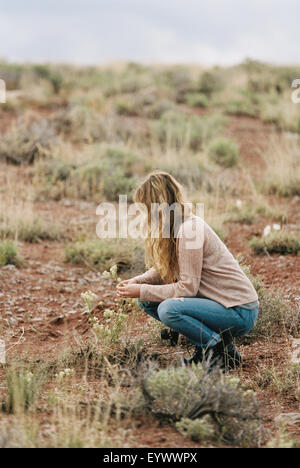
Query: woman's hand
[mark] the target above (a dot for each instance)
(126, 289)
(128, 281)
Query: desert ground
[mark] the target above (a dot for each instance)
(92, 370)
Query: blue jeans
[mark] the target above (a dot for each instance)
(202, 320)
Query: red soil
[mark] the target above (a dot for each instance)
(40, 303)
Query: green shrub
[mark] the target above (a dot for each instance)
(29, 228)
(281, 112)
(281, 242)
(131, 82)
(107, 333)
(150, 104)
(197, 429)
(179, 77)
(244, 215)
(282, 382)
(282, 173)
(52, 75)
(240, 107)
(102, 254)
(111, 172)
(23, 386)
(292, 320)
(189, 171)
(179, 130)
(210, 82)
(282, 440)
(157, 108)
(26, 142)
(115, 173)
(81, 124)
(224, 152)
(127, 107)
(118, 184)
(191, 393)
(250, 214)
(9, 254)
(117, 157)
(272, 309)
(275, 214)
(196, 100)
(11, 74)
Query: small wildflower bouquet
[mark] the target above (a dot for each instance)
(89, 298)
(108, 332)
(112, 274)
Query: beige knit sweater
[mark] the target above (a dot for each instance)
(206, 269)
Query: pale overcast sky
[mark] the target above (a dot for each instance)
(198, 31)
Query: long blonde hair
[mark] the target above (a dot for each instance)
(161, 188)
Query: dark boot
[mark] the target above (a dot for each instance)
(232, 357)
(213, 356)
(197, 357)
(226, 357)
(169, 334)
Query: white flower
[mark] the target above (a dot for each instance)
(267, 230)
(64, 374)
(114, 269)
(239, 203)
(28, 377)
(233, 381)
(89, 297)
(276, 227)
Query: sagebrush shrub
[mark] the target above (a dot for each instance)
(272, 308)
(282, 173)
(210, 83)
(25, 142)
(22, 388)
(81, 124)
(197, 430)
(240, 107)
(111, 172)
(281, 242)
(244, 215)
(9, 254)
(28, 228)
(102, 254)
(192, 393)
(224, 151)
(180, 130)
(196, 100)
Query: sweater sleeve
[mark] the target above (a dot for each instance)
(190, 261)
(149, 277)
